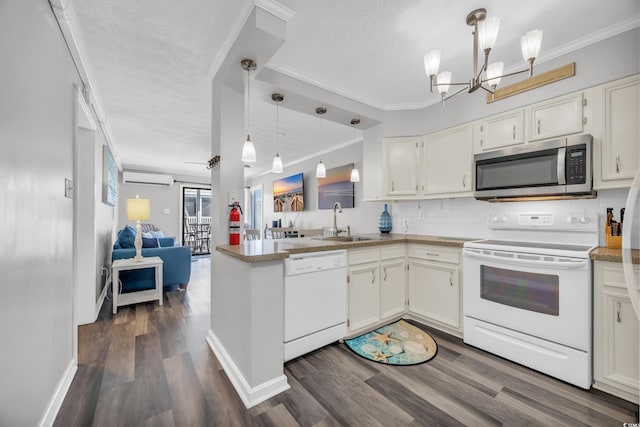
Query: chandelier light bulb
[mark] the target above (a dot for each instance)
(321, 171)
(488, 32)
(530, 44)
(444, 78)
(432, 62)
(494, 73)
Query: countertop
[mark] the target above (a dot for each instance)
(602, 253)
(270, 250)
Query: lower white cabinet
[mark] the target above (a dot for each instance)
(376, 282)
(615, 344)
(434, 287)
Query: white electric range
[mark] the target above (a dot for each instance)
(528, 291)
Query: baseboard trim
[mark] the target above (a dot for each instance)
(103, 295)
(250, 396)
(49, 416)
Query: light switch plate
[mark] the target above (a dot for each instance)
(167, 211)
(68, 188)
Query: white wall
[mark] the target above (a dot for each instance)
(363, 218)
(36, 220)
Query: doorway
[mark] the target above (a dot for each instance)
(196, 220)
(253, 203)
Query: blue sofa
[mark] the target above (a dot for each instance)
(176, 270)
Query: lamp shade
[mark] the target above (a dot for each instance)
(494, 73)
(248, 151)
(530, 44)
(138, 209)
(432, 62)
(277, 164)
(444, 78)
(488, 32)
(321, 171)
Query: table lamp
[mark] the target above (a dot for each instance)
(138, 210)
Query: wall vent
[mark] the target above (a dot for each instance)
(147, 178)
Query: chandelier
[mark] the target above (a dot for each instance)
(485, 33)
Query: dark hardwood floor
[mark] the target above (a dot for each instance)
(150, 365)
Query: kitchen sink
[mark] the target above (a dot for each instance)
(344, 238)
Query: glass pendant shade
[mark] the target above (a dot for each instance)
(488, 32)
(530, 44)
(494, 73)
(355, 175)
(432, 62)
(277, 164)
(248, 151)
(444, 78)
(321, 172)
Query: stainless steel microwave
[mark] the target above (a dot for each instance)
(561, 167)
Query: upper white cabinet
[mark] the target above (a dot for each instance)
(401, 165)
(620, 133)
(448, 162)
(502, 131)
(559, 117)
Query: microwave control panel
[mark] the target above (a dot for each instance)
(576, 164)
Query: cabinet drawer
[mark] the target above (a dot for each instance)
(435, 253)
(389, 252)
(613, 275)
(361, 256)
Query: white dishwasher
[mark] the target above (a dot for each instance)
(315, 301)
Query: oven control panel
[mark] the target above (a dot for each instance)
(535, 219)
(580, 221)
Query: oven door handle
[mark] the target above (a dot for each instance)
(572, 264)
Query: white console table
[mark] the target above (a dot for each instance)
(137, 296)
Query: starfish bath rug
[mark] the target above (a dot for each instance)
(399, 343)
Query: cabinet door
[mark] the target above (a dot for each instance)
(562, 116)
(448, 159)
(401, 165)
(434, 292)
(392, 287)
(364, 295)
(620, 363)
(502, 131)
(620, 152)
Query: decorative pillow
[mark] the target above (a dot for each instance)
(156, 234)
(126, 237)
(150, 242)
(146, 234)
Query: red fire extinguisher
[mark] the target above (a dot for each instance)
(234, 223)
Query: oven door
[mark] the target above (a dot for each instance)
(548, 297)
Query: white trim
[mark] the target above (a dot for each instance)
(234, 33)
(250, 396)
(276, 8)
(101, 298)
(565, 49)
(59, 394)
(84, 117)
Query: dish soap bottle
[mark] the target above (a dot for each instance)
(384, 224)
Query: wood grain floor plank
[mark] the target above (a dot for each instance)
(165, 419)
(277, 416)
(142, 317)
(120, 363)
(114, 406)
(188, 402)
(302, 405)
(78, 407)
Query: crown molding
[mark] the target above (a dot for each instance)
(276, 8)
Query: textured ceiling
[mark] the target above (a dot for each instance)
(149, 61)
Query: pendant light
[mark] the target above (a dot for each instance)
(277, 161)
(321, 171)
(355, 174)
(248, 149)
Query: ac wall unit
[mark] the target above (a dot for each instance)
(147, 178)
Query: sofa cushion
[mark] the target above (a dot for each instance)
(150, 242)
(126, 237)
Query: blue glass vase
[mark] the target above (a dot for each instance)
(384, 224)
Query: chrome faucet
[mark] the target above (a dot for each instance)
(336, 205)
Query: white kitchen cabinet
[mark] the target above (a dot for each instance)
(434, 287)
(615, 333)
(620, 133)
(401, 165)
(558, 117)
(392, 287)
(501, 131)
(447, 161)
(377, 282)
